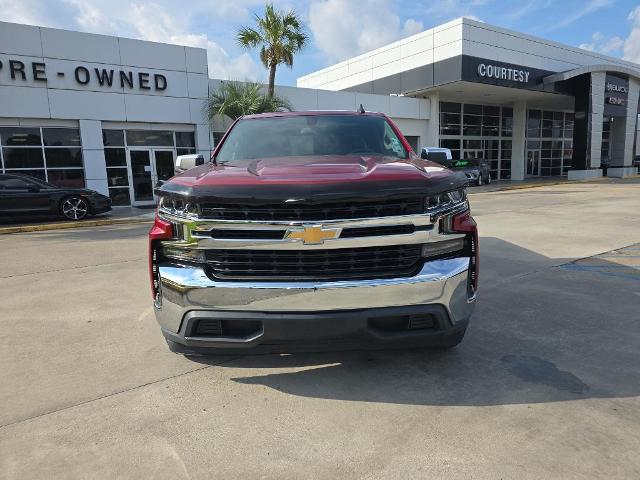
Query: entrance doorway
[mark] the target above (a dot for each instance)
(533, 163)
(147, 167)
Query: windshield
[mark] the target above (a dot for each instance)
(310, 135)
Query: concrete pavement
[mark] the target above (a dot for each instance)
(545, 385)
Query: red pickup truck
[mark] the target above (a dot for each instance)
(313, 230)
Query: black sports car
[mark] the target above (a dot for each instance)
(24, 195)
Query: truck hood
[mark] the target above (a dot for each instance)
(314, 179)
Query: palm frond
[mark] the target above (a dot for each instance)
(235, 99)
(279, 34)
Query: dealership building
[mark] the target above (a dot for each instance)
(112, 113)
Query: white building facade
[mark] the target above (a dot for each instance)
(529, 106)
(103, 112)
(112, 113)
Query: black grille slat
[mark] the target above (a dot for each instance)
(377, 231)
(241, 234)
(335, 264)
(315, 211)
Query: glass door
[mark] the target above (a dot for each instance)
(533, 163)
(141, 171)
(163, 165)
(147, 167)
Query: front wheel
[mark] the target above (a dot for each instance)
(74, 208)
(488, 180)
(479, 180)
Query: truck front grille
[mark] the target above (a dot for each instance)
(322, 264)
(315, 211)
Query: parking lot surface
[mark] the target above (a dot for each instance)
(546, 383)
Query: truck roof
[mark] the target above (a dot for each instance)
(312, 113)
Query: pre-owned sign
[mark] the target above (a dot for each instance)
(105, 77)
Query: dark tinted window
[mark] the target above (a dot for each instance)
(113, 138)
(450, 107)
(185, 151)
(115, 157)
(62, 137)
(117, 177)
(66, 178)
(185, 139)
(308, 135)
(19, 136)
(150, 138)
(119, 196)
(22, 157)
(63, 157)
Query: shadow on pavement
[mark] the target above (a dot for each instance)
(553, 334)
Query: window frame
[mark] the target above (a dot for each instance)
(45, 167)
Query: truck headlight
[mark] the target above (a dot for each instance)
(447, 201)
(180, 206)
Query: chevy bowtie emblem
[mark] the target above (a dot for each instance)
(312, 234)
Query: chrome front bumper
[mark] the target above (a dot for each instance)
(188, 289)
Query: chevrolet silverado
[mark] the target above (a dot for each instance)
(313, 230)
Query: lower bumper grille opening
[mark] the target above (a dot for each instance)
(226, 328)
(399, 323)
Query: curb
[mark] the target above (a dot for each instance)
(538, 185)
(69, 225)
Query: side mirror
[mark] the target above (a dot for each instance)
(424, 155)
(185, 162)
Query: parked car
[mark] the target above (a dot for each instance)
(476, 170)
(313, 230)
(22, 195)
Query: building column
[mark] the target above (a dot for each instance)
(432, 138)
(587, 136)
(95, 168)
(623, 135)
(204, 140)
(518, 140)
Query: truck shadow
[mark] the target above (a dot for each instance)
(544, 330)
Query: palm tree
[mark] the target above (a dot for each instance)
(280, 36)
(235, 99)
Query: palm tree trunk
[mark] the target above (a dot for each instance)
(272, 79)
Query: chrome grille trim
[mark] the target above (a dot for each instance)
(197, 233)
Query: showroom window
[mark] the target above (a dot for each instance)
(549, 143)
(116, 143)
(52, 154)
(473, 131)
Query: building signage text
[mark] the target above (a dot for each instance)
(82, 75)
(616, 90)
(503, 73)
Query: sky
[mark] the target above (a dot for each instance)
(337, 29)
